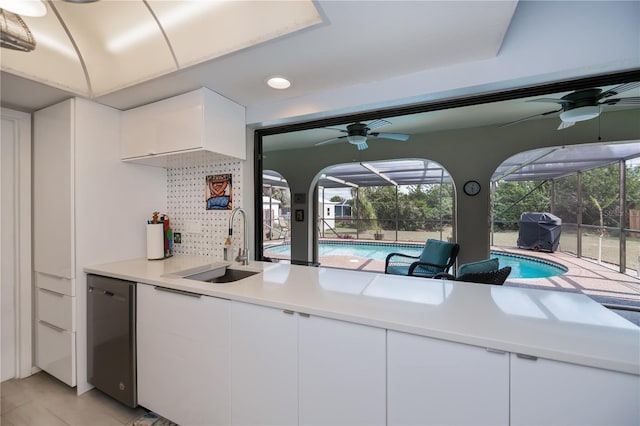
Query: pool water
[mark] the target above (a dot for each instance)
(521, 266)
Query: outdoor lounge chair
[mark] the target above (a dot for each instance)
(437, 256)
(482, 272)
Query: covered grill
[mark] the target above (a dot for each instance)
(539, 231)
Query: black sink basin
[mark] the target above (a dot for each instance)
(229, 276)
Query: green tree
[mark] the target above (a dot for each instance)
(511, 199)
(363, 209)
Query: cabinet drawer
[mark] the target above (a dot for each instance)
(56, 352)
(57, 309)
(57, 284)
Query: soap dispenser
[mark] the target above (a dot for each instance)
(227, 248)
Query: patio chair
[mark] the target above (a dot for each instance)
(284, 227)
(481, 272)
(436, 257)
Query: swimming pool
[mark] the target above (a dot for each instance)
(521, 266)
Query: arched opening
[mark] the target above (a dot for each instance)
(594, 191)
(366, 210)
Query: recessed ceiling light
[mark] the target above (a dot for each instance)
(35, 8)
(278, 82)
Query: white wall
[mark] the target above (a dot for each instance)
(547, 41)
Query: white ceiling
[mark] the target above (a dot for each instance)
(353, 56)
(345, 43)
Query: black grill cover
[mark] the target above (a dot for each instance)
(539, 231)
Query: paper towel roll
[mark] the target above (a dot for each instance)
(155, 241)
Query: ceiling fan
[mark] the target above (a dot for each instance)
(585, 104)
(357, 134)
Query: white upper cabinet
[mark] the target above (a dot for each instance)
(198, 121)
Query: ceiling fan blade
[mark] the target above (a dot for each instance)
(362, 146)
(394, 136)
(622, 101)
(335, 128)
(562, 102)
(329, 140)
(531, 116)
(565, 124)
(376, 124)
(620, 89)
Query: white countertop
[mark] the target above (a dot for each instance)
(554, 325)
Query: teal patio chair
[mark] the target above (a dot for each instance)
(482, 272)
(437, 256)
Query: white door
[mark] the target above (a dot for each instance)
(15, 249)
(7, 247)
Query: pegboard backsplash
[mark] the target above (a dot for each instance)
(203, 231)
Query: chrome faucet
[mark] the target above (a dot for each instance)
(243, 253)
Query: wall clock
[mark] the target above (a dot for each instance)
(471, 187)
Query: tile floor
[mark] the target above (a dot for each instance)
(43, 400)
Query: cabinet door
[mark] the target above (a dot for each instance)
(545, 392)
(264, 368)
(166, 126)
(436, 382)
(342, 373)
(179, 125)
(53, 166)
(137, 133)
(183, 356)
(56, 352)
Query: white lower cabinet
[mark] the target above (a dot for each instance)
(436, 382)
(291, 368)
(56, 352)
(342, 373)
(55, 335)
(264, 376)
(183, 355)
(546, 392)
(204, 360)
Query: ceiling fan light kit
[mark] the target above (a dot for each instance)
(584, 104)
(357, 133)
(580, 114)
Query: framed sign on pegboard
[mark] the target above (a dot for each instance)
(219, 192)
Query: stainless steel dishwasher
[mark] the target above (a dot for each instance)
(111, 337)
